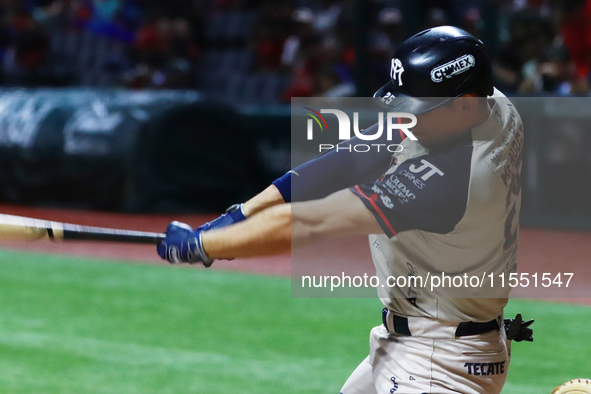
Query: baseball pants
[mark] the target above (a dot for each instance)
(432, 360)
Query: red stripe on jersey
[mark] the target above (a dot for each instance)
(375, 206)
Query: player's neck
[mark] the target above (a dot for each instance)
(482, 115)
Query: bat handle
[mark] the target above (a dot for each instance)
(75, 232)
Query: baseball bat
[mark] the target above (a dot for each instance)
(22, 228)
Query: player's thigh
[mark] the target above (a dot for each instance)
(360, 381)
(478, 364)
(401, 364)
(414, 365)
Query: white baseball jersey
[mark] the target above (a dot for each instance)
(451, 211)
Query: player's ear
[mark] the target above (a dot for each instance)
(467, 104)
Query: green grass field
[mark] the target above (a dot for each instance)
(88, 326)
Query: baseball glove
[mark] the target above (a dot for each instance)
(575, 386)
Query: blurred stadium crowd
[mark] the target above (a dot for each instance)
(264, 51)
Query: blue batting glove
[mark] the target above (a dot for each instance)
(234, 214)
(183, 245)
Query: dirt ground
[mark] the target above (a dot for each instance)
(540, 250)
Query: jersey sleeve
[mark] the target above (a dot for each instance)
(336, 169)
(428, 193)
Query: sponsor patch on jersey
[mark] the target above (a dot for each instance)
(496, 159)
(393, 380)
(397, 188)
(387, 202)
(453, 68)
(485, 369)
(425, 165)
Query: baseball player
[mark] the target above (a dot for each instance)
(448, 202)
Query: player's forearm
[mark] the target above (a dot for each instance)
(266, 233)
(265, 199)
(276, 229)
(340, 214)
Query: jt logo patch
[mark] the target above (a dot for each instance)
(426, 166)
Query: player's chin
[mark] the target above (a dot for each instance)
(423, 140)
(429, 140)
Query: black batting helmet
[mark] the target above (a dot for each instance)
(435, 66)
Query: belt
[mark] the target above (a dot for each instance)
(463, 329)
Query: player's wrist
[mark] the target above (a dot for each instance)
(237, 213)
(203, 257)
(212, 246)
(233, 214)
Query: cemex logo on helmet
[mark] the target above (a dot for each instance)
(345, 130)
(455, 67)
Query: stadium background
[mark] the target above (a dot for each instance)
(134, 113)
